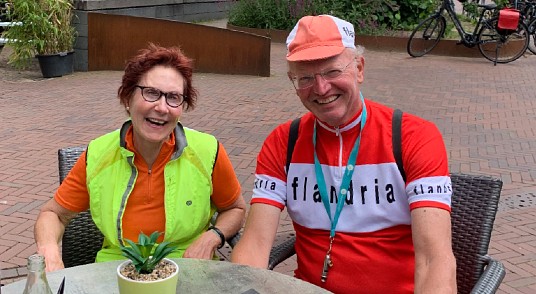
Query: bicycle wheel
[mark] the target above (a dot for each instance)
(532, 36)
(502, 46)
(426, 35)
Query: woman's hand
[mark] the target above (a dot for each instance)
(203, 247)
(53, 260)
(48, 231)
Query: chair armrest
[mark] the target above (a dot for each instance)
(81, 240)
(491, 278)
(234, 239)
(281, 252)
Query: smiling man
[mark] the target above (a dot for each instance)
(362, 225)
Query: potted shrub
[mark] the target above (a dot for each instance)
(42, 28)
(147, 270)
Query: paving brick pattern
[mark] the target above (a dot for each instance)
(486, 113)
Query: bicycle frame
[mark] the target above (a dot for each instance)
(467, 38)
(495, 44)
(527, 10)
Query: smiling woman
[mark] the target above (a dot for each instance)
(153, 119)
(154, 167)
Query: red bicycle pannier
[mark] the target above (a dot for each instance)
(508, 19)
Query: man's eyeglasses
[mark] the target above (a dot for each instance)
(307, 80)
(151, 94)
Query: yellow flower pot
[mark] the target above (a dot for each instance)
(164, 286)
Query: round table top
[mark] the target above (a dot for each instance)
(195, 276)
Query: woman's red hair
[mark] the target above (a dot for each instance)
(153, 56)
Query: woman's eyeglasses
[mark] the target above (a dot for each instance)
(151, 94)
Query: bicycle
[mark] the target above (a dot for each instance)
(527, 8)
(499, 46)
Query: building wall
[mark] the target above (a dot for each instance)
(178, 10)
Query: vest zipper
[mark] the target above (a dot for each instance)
(149, 196)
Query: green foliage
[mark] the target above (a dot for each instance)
(502, 3)
(368, 16)
(471, 10)
(142, 255)
(269, 14)
(414, 11)
(44, 27)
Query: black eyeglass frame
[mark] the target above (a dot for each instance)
(162, 93)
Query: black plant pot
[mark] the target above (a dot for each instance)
(56, 65)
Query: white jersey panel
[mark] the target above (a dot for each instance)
(270, 188)
(376, 198)
(437, 189)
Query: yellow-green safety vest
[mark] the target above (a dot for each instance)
(111, 177)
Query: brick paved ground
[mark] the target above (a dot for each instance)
(487, 115)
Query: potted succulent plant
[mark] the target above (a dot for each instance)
(147, 270)
(42, 28)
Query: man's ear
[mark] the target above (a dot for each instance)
(360, 69)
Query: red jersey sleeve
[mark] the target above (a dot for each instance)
(426, 165)
(270, 175)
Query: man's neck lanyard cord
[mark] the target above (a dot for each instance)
(348, 172)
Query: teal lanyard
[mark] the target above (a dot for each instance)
(348, 172)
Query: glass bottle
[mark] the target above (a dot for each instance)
(36, 282)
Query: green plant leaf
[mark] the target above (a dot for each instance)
(140, 253)
(154, 237)
(162, 250)
(135, 258)
(133, 246)
(143, 239)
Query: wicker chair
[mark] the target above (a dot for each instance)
(82, 239)
(474, 206)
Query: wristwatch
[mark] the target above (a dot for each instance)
(219, 233)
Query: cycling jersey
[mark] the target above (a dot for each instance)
(373, 249)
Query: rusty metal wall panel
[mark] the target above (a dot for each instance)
(113, 39)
